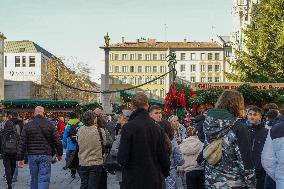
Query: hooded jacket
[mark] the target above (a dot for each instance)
(190, 149)
(235, 168)
(272, 157)
(66, 141)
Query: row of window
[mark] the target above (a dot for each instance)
(138, 56)
(136, 81)
(139, 69)
(183, 56)
(202, 68)
(203, 79)
(155, 93)
(24, 61)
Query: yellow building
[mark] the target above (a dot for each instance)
(135, 63)
(2, 38)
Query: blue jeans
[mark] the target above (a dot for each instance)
(16, 172)
(40, 171)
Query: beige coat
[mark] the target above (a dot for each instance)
(90, 150)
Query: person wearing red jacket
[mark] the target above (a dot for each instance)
(61, 126)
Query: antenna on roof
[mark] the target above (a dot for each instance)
(212, 33)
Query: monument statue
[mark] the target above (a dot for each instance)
(107, 39)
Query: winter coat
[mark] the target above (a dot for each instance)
(258, 136)
(66, 140)
(142, 153)
(39, 137)
(90, 155)
(176, 160)
(60, 127)
(277, 120)
(236, 168)
(190, 150)
(272, 157)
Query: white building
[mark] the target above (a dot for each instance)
(202, 62)
(23, 61)
(241, 13)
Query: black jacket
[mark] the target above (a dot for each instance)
(39, 137)
(258, 136)
(142, 153)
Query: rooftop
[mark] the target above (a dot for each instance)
(151, 43)
(25, 46)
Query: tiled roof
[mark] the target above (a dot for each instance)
(165, 45)
(25, 46)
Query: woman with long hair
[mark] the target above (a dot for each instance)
(227, 149)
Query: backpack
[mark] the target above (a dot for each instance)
(10, 143)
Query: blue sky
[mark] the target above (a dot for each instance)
(76, 27)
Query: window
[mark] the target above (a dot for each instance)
(155, 81)
(162, 93)
(192, 68)
(139, 69)
(217, 79)
(162, 69)
(139, 56)
(124, 56)
(155, 69)
(116, 81)
(139, 80)
(148, 92)
(155, 92)
(162, 57)
(209, 79)
(5, 61)
(23, 61)
(124, 69)
(202, 68)
(131, 69)
(182, 56)
(192, 56)
(32, 61)
(116, 69)
(147, 69)
(155, 57)
(217, 56)
(182, 68)
(147, 56)
(210, 56)
(192, 79)
(210, 68)
(17, 61)
(203, 79)
(227, 53)
(109, 80)
(132, 81)
(147, 79)
(110, 68)
(132, 56)
(202, 56)
(162, 81)
(116, 56)
(124, 80)
(217, 68)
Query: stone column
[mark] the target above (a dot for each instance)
(106, 97)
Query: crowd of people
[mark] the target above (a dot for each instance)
(231, 146)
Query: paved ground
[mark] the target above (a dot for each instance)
(60, 179)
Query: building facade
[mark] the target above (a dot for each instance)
(2, 38)
(135, 63)
(241, 14)
(24, 60)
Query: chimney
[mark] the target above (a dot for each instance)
(122, 39)
(184, 40)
